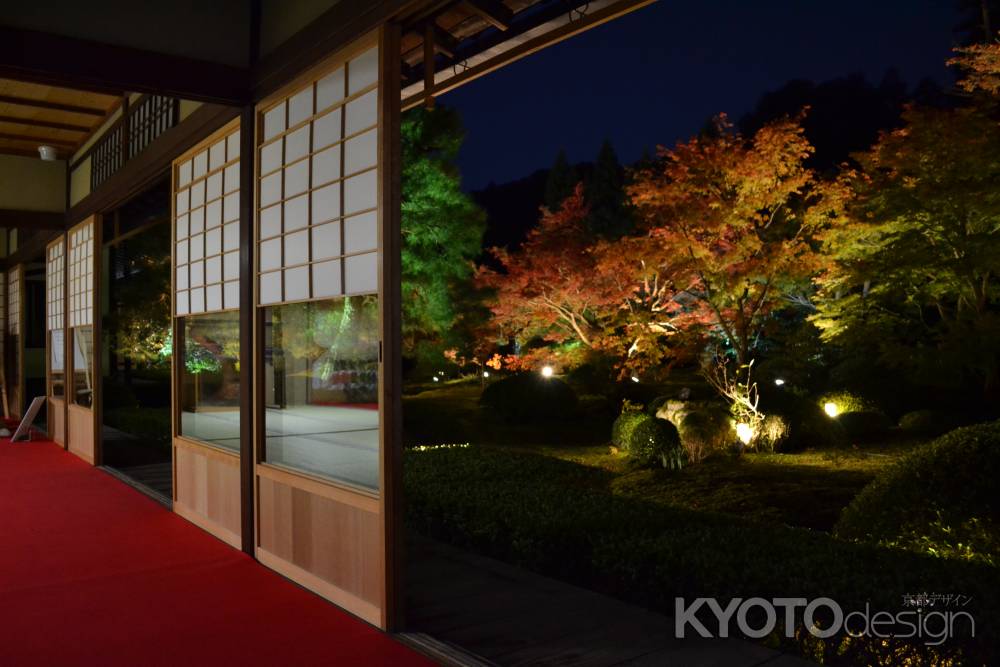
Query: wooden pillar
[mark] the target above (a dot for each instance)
(429, 54)
(97, 368)
(248, 146)
(391, 304)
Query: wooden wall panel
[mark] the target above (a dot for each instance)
(57, 420)
(332, 541)
(80, 432)
(207, 489)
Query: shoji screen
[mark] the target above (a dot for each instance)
(15, 341)
(319, 427)
(206, 390)
(55, 326)
(81, 381)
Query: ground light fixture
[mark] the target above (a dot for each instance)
(744, 432)
(547, 371)
(831, 409)
(779, 381)
(486, 374)
(635, 379)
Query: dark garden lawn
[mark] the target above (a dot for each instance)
(808, 489)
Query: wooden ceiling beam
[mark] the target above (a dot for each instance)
(34, 122)
(31, 219)
(57, 60)
(24, 152)
(10, 136)
(429, 52)
(493, 12)
(444, 42)
(52, 106)
(493, 51)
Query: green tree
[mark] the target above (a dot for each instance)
(561, 183)
(609, 216)
(913, 279)
(442, 226)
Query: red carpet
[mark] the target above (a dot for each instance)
(94, 573)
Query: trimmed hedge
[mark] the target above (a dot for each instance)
(865, 425)
(941, 499)
(847, 401)
(927, 422)
(530, 397)
(560, 519)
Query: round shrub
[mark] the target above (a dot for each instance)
(655, 443)
(941, 499)
(530, 397)
(864, 425)
(621, 429)
(927, 422)
(705, 432)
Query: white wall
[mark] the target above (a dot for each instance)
(31, 184)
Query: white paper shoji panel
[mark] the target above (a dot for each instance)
(54, 286)
(207, 229)
(81, 276)
(317, 223)
(14, 301)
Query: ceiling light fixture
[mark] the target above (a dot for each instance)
(47, 153)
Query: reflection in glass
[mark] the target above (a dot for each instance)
(83, 354)
(210, 379)
(57, 365)
(321, 388)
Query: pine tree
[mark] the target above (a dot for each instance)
(562, 181)
(442, 227)
(979, 21)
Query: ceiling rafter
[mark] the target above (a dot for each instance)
(482, 40)
(493, 12)
(53, 125)
(53, 106)
(537, 25)
(13, 136)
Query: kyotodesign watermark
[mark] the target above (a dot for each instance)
(757, 618)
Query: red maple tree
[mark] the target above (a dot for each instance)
(734, 217)
(550, 287)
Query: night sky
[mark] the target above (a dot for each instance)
(655, 76)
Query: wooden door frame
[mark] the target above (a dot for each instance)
(63, 239)
(70, 336)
